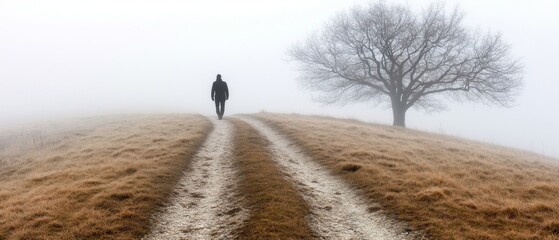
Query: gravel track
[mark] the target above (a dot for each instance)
(203, 205)
(337, 211)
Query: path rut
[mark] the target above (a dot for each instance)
(203, 205)
(337, 211)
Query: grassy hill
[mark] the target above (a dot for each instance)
(96, 178)
(104, 177)
(449, 187)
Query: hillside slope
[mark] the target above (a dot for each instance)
(106, 177)
(448, 187)
(96, 178)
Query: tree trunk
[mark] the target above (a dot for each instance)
(399, 113)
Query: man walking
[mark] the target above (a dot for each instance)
(220, 93)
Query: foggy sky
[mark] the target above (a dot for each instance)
(66, 58)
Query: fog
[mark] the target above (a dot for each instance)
(72, 58)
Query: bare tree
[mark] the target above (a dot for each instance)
(386, 52)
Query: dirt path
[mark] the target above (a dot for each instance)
(337, 211)
(203, 206)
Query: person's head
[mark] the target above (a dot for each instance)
(218, 77)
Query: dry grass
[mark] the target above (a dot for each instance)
(99, 178)
(448, 187)
(277, 211)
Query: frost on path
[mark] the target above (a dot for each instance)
(337, 211)
(203, 205)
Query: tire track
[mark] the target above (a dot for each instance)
(337, 211)
(203, 205)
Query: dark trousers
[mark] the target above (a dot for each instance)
(218, 110)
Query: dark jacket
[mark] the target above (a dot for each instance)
(220, 90)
